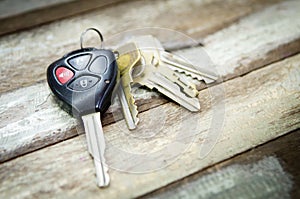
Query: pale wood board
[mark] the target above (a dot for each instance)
(260, 106)
(31, 120)
(33, 50)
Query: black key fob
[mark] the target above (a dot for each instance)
(84, 79)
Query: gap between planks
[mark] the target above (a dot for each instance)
(270, 94)
(28, 123)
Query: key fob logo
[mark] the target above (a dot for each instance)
(83, 83)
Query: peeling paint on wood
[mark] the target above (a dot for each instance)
(42, 135)
(66, 170)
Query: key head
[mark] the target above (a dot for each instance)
(84, 80)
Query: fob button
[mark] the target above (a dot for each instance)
(99, 65)
(63, 74)
(79, 62)
(83, 83)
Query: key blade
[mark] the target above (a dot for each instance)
(187, 87)
(129, 108)
(154, 64)
(154, 75)
(193, 75)
(96, 145)
(177, 62)
(128, 59)
(173, 91)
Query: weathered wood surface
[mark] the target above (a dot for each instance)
(268, 107)
(18, 14)
(32, 51)
(272, 170)
(32, 120)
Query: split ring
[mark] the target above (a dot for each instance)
(94, 29)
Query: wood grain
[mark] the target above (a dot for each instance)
(283, 182)
(270, 94)
(33, 50)
(32, 105)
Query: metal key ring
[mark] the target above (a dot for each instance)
(94, 29)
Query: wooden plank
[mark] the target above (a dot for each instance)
(17, 14)
(32, 105)
(32, 51)
(252, 31)
(270, 94)
(268, 170)
(10, 8)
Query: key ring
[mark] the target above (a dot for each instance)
(94, 29)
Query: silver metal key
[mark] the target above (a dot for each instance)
(153, 73)
(129, 115)
(144, 61)
(178, 64)
(84, 80)
(158, 76)
(182, 66)
(96, 145)
(128, 57)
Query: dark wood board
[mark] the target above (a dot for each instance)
(18, 15)
(284, 150)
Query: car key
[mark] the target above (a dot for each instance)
(84, 81)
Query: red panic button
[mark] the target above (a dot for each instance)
(63, 74)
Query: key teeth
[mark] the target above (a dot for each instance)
(194, 76)
(198, 77)
(172, 59)
(125, 63)
(134, 108)
(127, 81)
